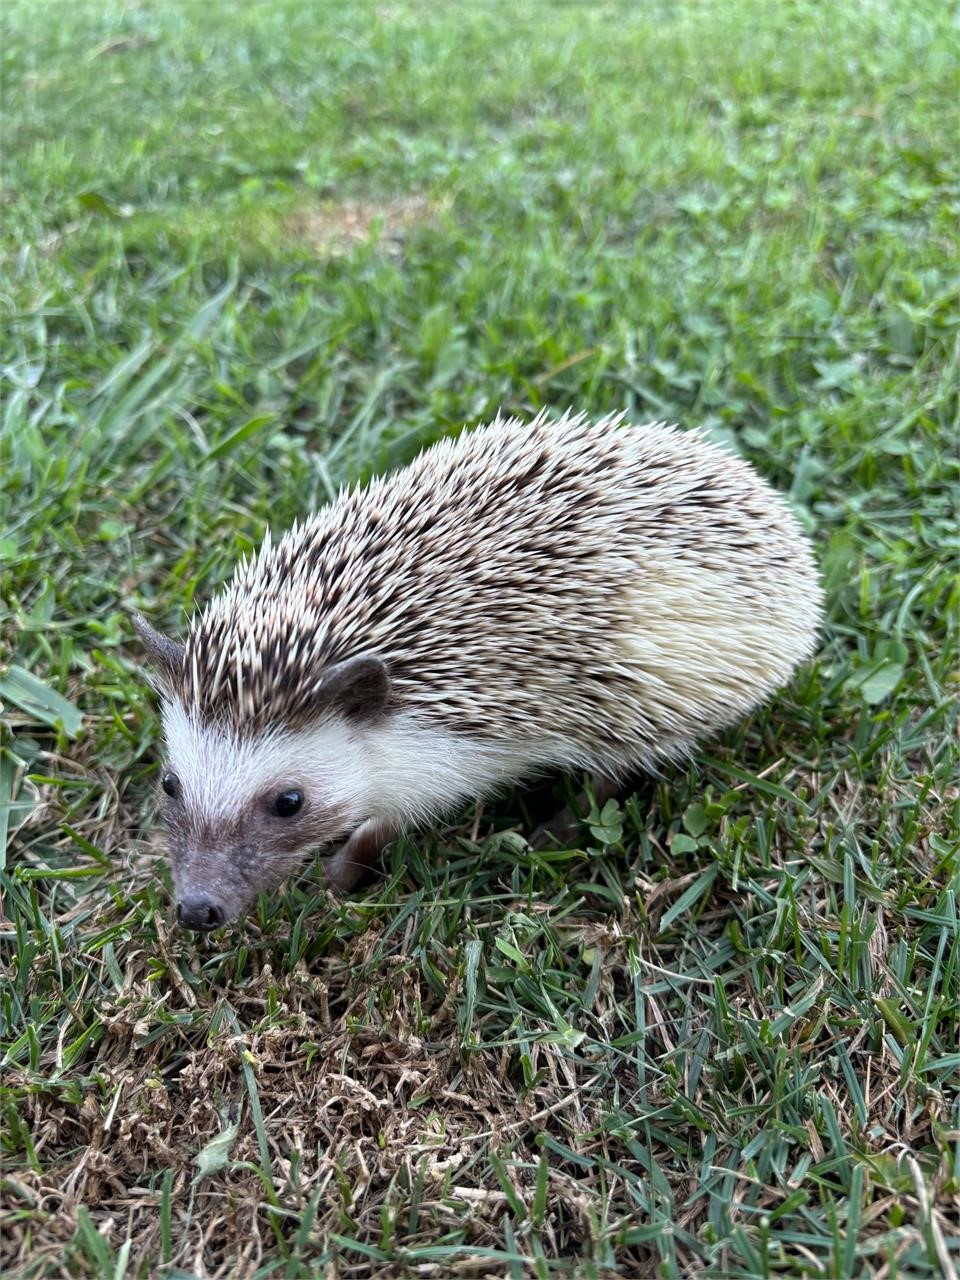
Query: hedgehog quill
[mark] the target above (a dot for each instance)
(529, 597)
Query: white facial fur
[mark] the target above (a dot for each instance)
(395, 769)
(221, 775)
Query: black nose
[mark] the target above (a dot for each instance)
(198, 912)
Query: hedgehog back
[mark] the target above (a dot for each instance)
(627, 587)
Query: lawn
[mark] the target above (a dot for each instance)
(253, 251)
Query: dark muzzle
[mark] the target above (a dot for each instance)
(196, 911)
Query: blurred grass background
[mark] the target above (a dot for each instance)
(252, 251)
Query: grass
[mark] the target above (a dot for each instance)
(254, 250)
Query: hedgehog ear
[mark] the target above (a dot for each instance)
(164, 654)
(359, 687)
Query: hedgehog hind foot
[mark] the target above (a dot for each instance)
(566, 826)
(355, 859)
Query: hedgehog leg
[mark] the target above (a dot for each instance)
(566, 826)
(345, 868)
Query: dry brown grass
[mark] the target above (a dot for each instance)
(334, 228)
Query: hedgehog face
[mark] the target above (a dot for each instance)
(243, 814)
(245, 802)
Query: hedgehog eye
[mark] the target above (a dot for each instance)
(171, 784)
(287, 803)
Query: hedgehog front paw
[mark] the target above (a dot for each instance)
(348, 866)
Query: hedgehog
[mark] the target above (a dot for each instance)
(527, 598)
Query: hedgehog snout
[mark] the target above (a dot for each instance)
(218, 872)
(198, 912)
(213, 886)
